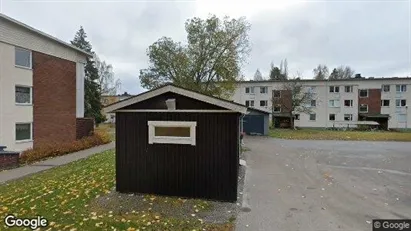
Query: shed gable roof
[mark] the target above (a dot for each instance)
(177, 90)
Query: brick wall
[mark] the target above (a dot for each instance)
(54, 99)
(9, 160)
(84, 127)
(285, 101)
(373, 101)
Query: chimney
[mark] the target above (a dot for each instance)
(171, 104)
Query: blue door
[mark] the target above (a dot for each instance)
(253, 124)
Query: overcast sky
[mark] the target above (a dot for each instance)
(373, 37)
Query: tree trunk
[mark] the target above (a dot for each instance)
(292, 122)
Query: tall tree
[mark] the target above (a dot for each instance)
(321, 72)
(285, 69)
(334, 74)
(258, 76)
(275, 73)
(108, 84)
(342, 72)
(209, 63)
(92, 104)
(294, 98)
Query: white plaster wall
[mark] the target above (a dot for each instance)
(10, 113)
(16, 35)
(80, 90)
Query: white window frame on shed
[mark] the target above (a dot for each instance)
(152, 138)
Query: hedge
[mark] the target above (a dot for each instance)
(58, 149)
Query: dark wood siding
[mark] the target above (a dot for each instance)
(207, 170)
(182, 102)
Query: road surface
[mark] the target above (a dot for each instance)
(324, 185)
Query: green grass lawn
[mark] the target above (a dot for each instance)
(316, 134)
(65, 196)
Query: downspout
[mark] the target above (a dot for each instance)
(326, 103)
(241, 129)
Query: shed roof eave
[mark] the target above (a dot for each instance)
(178, 90)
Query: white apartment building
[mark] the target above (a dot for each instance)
(41, 87)
(337, 102)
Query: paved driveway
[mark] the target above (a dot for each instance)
(324, 185)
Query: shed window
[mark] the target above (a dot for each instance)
(172, 132)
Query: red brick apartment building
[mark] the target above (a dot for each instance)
(41, 87)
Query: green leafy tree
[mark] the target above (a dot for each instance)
(321, 72)
(92, 104)
(210, 62)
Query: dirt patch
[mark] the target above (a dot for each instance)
(211, 212)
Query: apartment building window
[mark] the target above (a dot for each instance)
(311, 89)
(348, 117)
(385, 88)
(334, 89)
(334, 103)
(277, 108)
(363, 93)
(22, 57)
(385, 103)
(348, 89)
(263, 90)
(23, 95)
(402, 118)
(263, 103)
(23, 132)
(331, 117)
(363, 108)
(400, 102)
(348, 103)
(249, 90)
(276, 94)
(313, 117)
(401, 88)
(297, 117)
(249, 103)
(313, 103)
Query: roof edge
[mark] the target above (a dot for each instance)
(333, 80)
(177, 90)
(61, 42)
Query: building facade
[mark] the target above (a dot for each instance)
(41, 87)
(335, 103)
(110, 99)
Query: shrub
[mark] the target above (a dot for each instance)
(58, 149)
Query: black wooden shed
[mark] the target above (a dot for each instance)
(177, 142)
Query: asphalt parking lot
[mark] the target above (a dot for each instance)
(324, 185)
